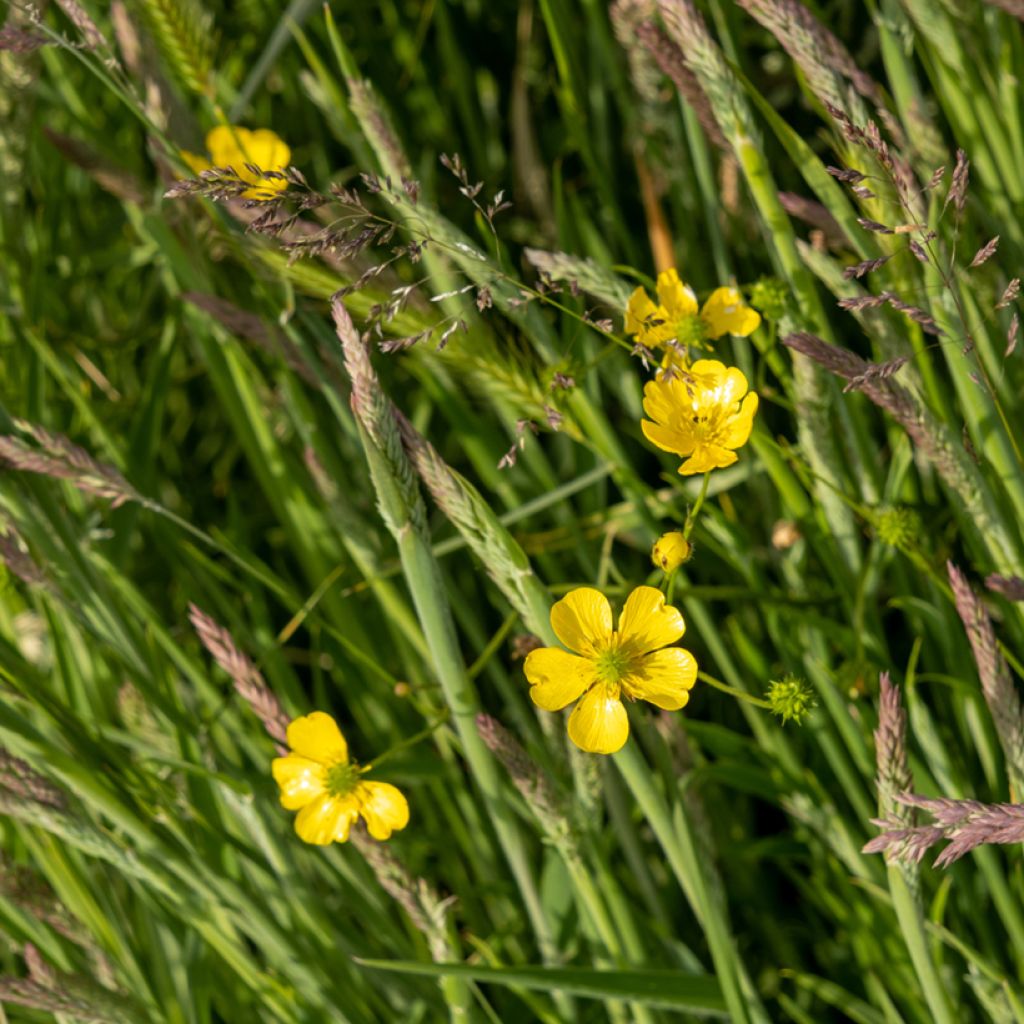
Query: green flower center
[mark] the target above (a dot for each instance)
(342, 778)
(692, 330)
(613, 664)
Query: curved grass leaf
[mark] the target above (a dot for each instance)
(695, 993)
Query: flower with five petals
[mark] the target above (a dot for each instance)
(633, 662)
(677, 320)
(318, 780)
(703, 413)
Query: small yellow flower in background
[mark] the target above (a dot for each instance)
(610, 664)
(670, 551)
(318, 780)
(700, 413)
(678, 317)
(230, 146)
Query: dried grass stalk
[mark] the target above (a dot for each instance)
(996, 682)
(247, 678)
(968, 824)
(400, 503)
(79, 997)
(931, 437)
(533, 785)
(79, 17)
(21, 779)
(32, 894)
(1012, 7)
(15, 555)
(821, 55)
(891, 752)
(817, 216)
(426, 908)
(669, 58)
(53, 455)
(1010, 587)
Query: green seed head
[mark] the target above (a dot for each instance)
(791, 699)
(692, 331)
(898, 526)
(770, 296)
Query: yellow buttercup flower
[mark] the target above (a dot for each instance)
(670, 551)
(318, 780)
(610, 664)
(234, 147)
(700, 413)
(677, 317)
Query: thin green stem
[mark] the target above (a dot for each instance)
(691, 519)
(732, 691)
(411, 741)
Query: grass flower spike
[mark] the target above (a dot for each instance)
(240, 149)
(703, 414)
(610, 664)
(678, 318)
(318, 780)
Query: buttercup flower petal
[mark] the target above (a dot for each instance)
(326, 820)
(300, 779)
(668, 439)
(677, 298)
(716, 384)
(706, 457)
(639, 309)
(664, 678)
(725, 313)
(263, 149)
(383, 807)
(556, 677)
(740, 426)
(709, 372)
(267, 151)
(196, 162)
(661, 399)
(317, 737)
(225, 144)
(582, 620)
(647, 623)
(599, 724)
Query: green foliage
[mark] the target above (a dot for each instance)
(381, 528)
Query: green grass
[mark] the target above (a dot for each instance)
(714, 867)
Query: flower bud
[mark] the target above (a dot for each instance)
(670, 551)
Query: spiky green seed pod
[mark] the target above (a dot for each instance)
(791, 699)
(898, 526)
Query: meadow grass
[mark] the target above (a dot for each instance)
(336, 437)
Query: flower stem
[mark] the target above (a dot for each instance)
(732, 691)
(411, 741)
(691, 519)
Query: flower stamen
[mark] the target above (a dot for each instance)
(342, 778)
